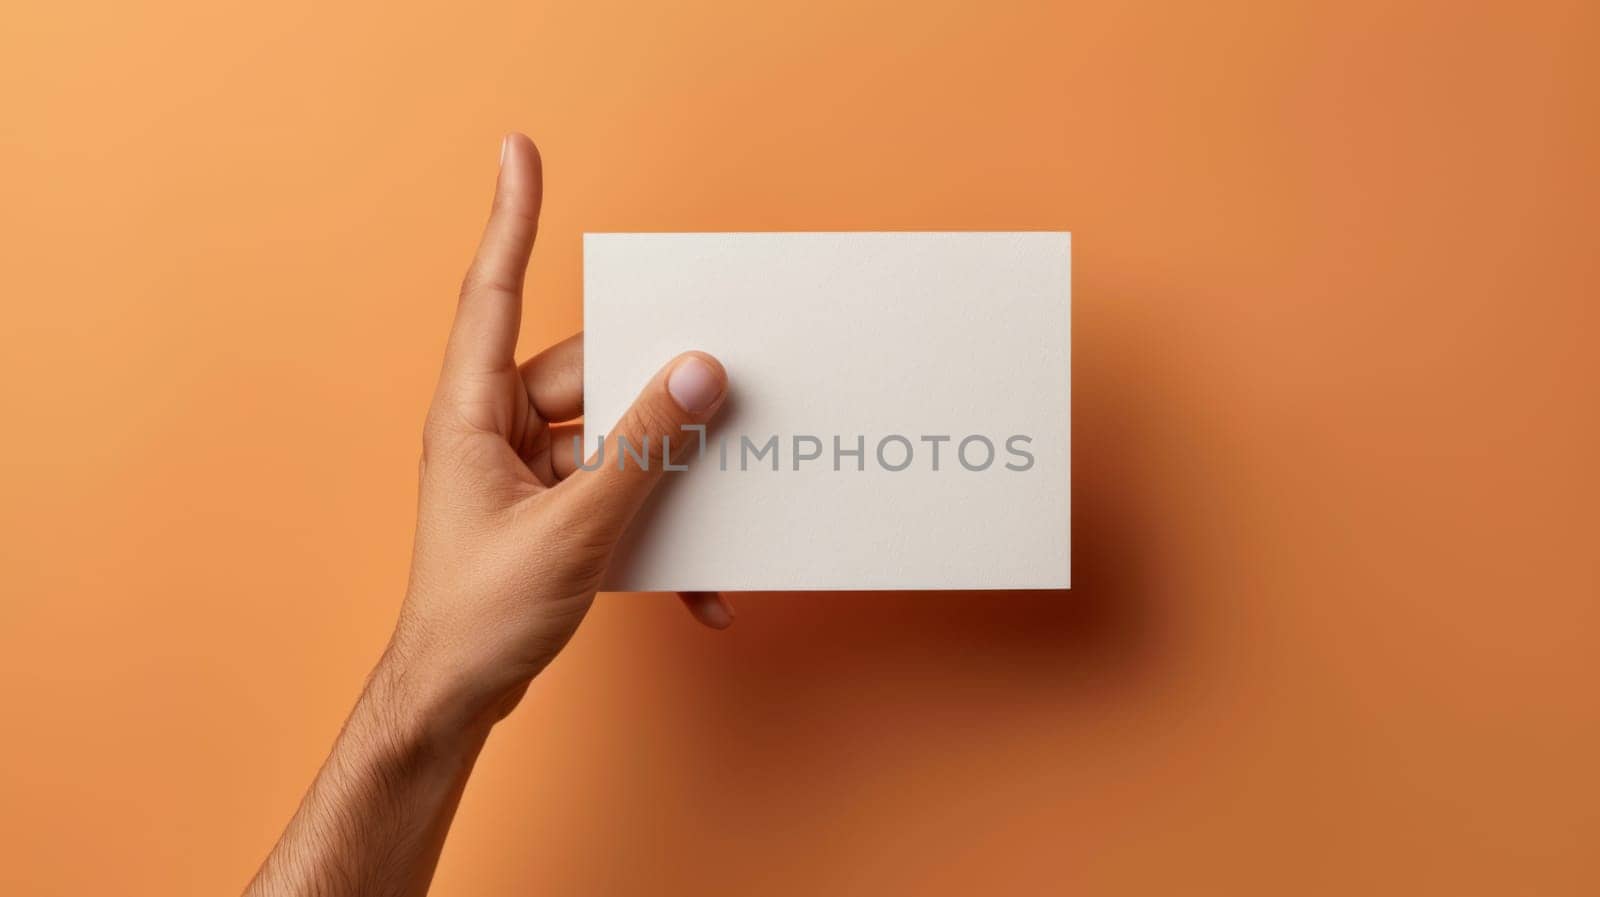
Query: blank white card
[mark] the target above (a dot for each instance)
(898, 417)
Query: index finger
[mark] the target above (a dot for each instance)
(484, 336)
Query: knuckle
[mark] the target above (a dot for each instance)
(651, 419)
(435, 433)
(479, 282)
(513, 207)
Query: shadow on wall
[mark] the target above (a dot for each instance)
(806, 673)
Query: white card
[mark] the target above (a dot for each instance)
(884, 342)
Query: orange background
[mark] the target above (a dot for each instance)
(1334, 629)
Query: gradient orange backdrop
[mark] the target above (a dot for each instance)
(1334, 629)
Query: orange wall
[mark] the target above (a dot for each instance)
(1335, 625)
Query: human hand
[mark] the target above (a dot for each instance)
(511, 539)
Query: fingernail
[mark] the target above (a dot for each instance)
(716, 612)
(505, 144)
(694, 384)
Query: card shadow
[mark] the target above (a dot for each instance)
(845, 661)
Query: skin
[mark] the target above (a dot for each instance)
(511, 545)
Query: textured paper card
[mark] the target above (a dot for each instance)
(912, 390)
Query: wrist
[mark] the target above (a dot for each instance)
(418, 704)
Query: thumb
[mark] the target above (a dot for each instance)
(632, 460)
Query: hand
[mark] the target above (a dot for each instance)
(511, 540)
(511, 546)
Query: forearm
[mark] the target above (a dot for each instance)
(375, 819)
